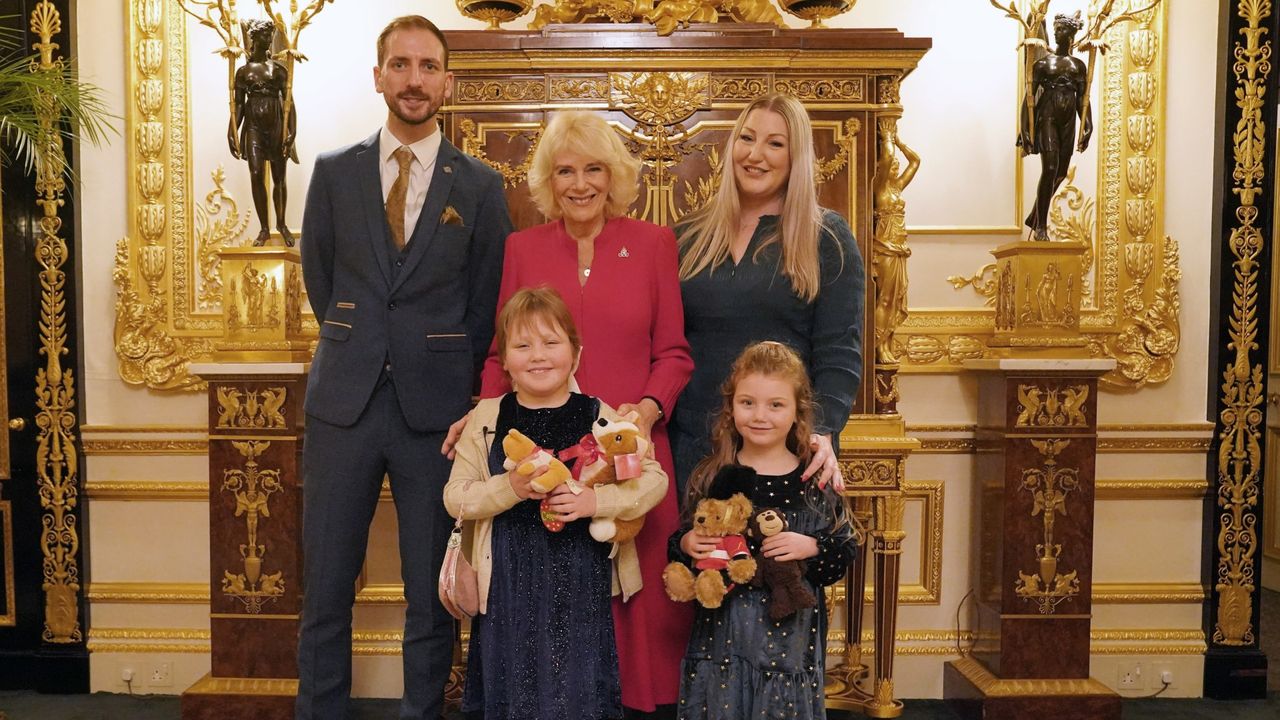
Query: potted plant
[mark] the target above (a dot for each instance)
(24, 84)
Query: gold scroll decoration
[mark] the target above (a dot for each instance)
(1049, 486)
(252, 488)
(1132, 302)
(473, 143)
(57, 461)
(245, 408)
(1243, 382)
(218, 224)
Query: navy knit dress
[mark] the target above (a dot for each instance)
(545, 647)
(740, 664)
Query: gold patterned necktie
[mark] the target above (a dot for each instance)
(396, 198)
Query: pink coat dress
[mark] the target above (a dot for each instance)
(631, 322)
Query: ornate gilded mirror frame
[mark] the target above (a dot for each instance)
(1131, 311)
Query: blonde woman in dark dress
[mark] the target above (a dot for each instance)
(763, 261)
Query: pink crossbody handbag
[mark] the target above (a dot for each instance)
(459, 584)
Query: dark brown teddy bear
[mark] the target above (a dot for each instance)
(788, 592)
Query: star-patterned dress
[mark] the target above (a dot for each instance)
(741, 664)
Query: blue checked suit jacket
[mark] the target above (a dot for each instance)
(428, 312)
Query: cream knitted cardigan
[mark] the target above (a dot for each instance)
(472, 488)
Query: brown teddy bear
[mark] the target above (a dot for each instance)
(620, 450)
(788, 591)
(725, 516)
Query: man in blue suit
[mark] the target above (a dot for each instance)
(402, 243)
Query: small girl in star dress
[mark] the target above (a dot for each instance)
(740, 663)
(542, 646)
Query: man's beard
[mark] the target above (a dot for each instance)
(431, 108)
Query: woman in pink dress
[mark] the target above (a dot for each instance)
(619, 279)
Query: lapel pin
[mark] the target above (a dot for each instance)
(623, 252)
(448, 169)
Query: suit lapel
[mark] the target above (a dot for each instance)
(437, 197)
(367, 167)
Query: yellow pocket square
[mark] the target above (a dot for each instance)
(450, 216)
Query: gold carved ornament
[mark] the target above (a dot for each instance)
(146, 352)
(473, 142)
(254, 301)
(245, 408)
(659, 102)
(665, 15)
(57, 460)
(1128, 317)
(1051, 406)
(252, 488)
(890, 250)
(1071, 216)
(218, 224)
(1049, 487)
(1243, 382)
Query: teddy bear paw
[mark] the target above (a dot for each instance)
(678, 581)
(710, 589)
(742, 571)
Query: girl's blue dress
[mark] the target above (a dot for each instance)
(545, 648)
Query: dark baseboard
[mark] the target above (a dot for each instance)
(1235, 674)
(49, 671)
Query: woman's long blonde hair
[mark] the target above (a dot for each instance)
(707, 234)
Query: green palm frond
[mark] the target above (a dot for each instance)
(22, 88)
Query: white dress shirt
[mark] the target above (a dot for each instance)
(420, 170)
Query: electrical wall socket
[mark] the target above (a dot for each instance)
(161, 675)
(1129, 676)
(1160, 672)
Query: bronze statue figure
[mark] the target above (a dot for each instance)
(890, 251)
(261, 93)
(1059, 86)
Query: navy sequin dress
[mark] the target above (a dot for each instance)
(740, 664)
(545, 647)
